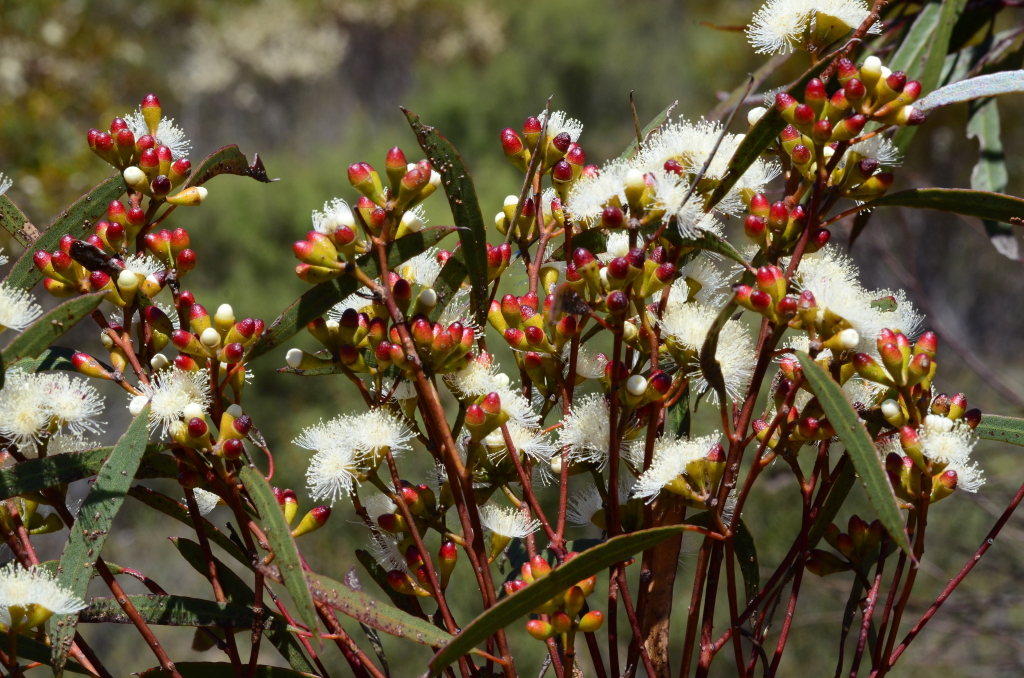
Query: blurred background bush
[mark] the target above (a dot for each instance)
(314, 85)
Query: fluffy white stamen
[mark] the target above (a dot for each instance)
(18, 309)
(507, 522)
(167, 133)
(671, 455)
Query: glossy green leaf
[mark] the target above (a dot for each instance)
(989, 173)
(709, 366)
(33, 475)
(89, 533)
(238, 592)
(1004, 429)
(658, 121)
(858, 444)
(222, 670)
(982, 204)
(228, 160)
(179, 512)
(320, 298)
(78, 220)
(909, 58)
(519, 604)
(758, 138)
(158, 610)
(936, 57)
(458, 186)
(994, 84)
(286, 555)
(374, 614)
(15, 222)
(50, 327)
(34, 651)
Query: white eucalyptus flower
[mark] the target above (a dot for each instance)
(31, 596)
(585, 430)
(336, 213)
(169, 393)
(671, 455)
(18, 309)
(507, 522)
(167, 133)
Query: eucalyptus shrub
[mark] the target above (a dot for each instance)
(804, 366)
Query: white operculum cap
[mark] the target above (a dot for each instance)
(891, 409)
(636, 385)
(849, 338)
(210, 338)
(193, 411)
(136, 405)
(225, 314)
(754, 114)
(293, 358)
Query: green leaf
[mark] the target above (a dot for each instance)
(858, 444)
(179, 512)
(238, 592)
(34, 651)
(33, 475)
(989, 173)
(286, 555)
(709, 366)
(228, 160)
(403, 601)
(677, 419)
(710, 242)
(910, 55)
(89, 533)
(458, 186)
(161, 610)
(78, 220)
(982, 204)
(15, 222)
(319, 299)
(38, 336)
(760, 136)
(519, 604)
(1004, 429)
(932, 70)
(222, 670)
(369, 611)
(658, 121)
(994, 84)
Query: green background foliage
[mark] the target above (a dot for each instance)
(315, 85)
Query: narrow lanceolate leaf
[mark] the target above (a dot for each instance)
(982, 204)
(319, 299)
(286, 555)
(994, 84)
(228, 160)
(34, 651)
(858, 444)
(78, 220)
(160, 610)
(16, 223)
(758, 138)
(238, 592)
(222, 670)
(989, 172)
(458, 186)
(936, 57)
(1004, 429)
(33, 475)
(374, 614)
(89, 533)
(659, 120)
(709, 366)
(50, 327)
(179, 512)
(519, 604)
(909, 58)
(710, 242)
